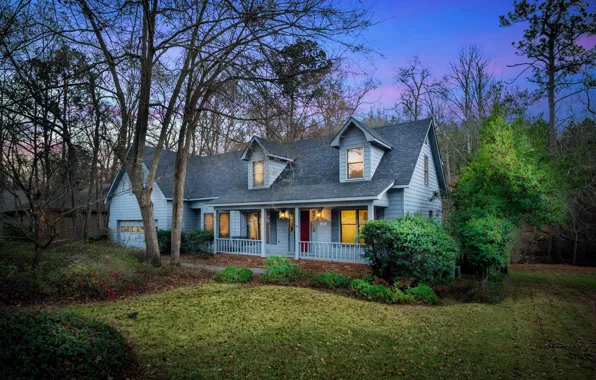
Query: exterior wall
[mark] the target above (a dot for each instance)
(124, 207)
(189, 217)
(322, 227)
(395, 208)
(417, 196)
(273, 168)
(376, 155)
(281, 245)
(352, 138)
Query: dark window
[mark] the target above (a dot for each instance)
(426, 170)
(351, 223)
(430, 214)
(224, 225)
(208, 222)
(355, 162)
(258, 173)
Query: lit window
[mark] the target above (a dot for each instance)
(253, 225)
(224, 225)
(351, 224)
(208, 222)
(258, 173)
(355, 163)
(426, 170)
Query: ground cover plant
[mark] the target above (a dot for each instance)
(291, 332)
(330, 280)
(40, 345)
(231, 274)
(280, 270)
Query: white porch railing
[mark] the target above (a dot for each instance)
(332, 251)
(238, 246)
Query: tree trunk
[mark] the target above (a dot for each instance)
(178, 193)
(575, 244)
(152, 247)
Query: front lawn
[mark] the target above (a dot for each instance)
(545, 328)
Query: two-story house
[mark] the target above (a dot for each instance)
(307, 199)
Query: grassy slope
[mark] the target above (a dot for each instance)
(544, 329)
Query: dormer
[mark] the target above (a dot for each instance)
(360, 151)
(266, 160)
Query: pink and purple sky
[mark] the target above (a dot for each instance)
(435, 31)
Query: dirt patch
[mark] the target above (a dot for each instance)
(553, 267)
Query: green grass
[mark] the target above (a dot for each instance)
(578, 279)
(543, 329)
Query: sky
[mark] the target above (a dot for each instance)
(435, 31)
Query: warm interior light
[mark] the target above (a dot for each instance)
(318, 214)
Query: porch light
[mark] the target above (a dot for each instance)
(284, 214)
(318, 214)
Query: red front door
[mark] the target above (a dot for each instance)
(304, 229)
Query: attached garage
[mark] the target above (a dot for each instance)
(131, 233)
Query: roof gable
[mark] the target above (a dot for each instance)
(371, 136)
(270, 148)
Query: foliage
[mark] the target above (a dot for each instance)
(330, 280)
(231, 274)
(379, 293)
(279, 269)
(164, 240)
(40, 345)
(423, 293)
(17, 230)
(492, 291)
(97, 270)
(196, 241)
(341, 337)
(413, 247)
(509, 180)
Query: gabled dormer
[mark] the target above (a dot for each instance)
(266, 160)
(360, 151)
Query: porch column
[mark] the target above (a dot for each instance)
(215, 229)
(297, 232)
(371, 212)
(263, 232)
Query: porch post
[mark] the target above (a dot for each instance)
(297, 232)
(215, 229)
(263, 232)
(371, 212)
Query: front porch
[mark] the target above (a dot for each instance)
(314, 232)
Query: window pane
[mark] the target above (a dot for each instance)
(259, 179)
(252, 226)
(208, 225)
(348, 233)
(355, 155)
(348, 216)
(224, 225)
(362, 217)
(356, 170)
(258, 170)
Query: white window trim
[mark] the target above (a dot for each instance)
(348, 179)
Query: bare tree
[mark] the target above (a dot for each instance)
(416, 84)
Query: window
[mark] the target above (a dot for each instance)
(224, 225)
(351, 223)
(430, 214)
(258, 173)
(253, 226)
(208, 222)
(355, 162)
(426, 170)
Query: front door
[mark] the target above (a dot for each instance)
(304, 229)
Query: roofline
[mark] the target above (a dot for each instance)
(368, 198)
(432, 125)
(254, 138)
(195, 199)
(369, 137)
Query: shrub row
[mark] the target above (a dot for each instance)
(330, 280)
(382, 293)
(191, 242)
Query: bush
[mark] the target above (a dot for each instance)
(279, 270)
(196, 241)
(423, 293)
(164, 239)
(330, 280)
(17, 230)
(379, 293)
(231, 274)
(493, 290)
(413, 247)
(41, 345)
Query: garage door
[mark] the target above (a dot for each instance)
(131, 233)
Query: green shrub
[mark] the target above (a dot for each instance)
(17, 230)
(164, 239)
(196, 241)
(413, 247)
(279, 269)
(41, 345)
(330, 280)
(379, 293)
(231, 274)
(423, 293)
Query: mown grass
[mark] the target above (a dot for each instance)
(545, 328)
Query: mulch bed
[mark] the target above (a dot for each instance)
(553, 266)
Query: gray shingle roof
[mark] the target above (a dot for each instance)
(314, 174)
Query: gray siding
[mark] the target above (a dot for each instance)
(235, 230)
(417, 196)
(124, 206)
(281, 245)
(354, 137)
(376, 155)
(395, 208)
(189, 216)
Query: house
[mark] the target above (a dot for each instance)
(306, 199)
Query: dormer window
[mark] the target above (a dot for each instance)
(355, 163)
(258, 173)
